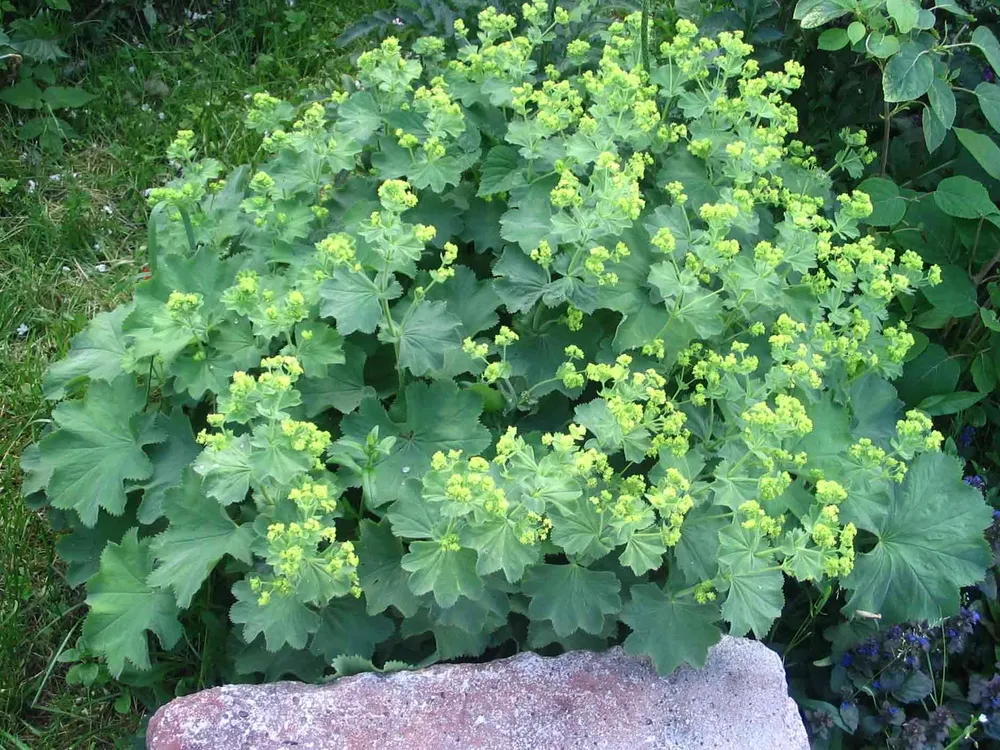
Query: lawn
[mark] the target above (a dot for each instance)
(72, 233)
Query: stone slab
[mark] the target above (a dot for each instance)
(604, 701)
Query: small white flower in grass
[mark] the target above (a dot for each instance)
(102, 267)
(32, 185)
(983, 719)
(108, 210)
(22, 330)
(398, 22)
(66, 269)
(55, 177)
(131, 69)
(145, 108)
(247, 97)
(161, 116)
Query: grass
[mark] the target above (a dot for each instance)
(71, 244)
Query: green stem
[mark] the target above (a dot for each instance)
(188, 229)
(885, 138)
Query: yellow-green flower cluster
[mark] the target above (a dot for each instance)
(337, 249)
(446, 270)
(672, 501)
(755, 517)
(711, 368)
(788, 418)
(296, 548)
(916, 434)
(869, 456)
(182, 147)
(313, 497)
(596, 261)
(464, 485)
(307, 438)
(396, 196)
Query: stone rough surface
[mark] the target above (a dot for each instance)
(607, 701)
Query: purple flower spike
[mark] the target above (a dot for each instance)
(974, 480)
(989, 75)
(966, 436)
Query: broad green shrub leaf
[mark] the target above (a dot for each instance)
(878, 410)
(572, 597)
(933, 373)
(317, 347)
(964, 198)
(908, 74)
(933, 129)
(983, 38)
(200, 534)
(813, 13)
(96, 353)
(942, 100)
(950, 403)
(983, 372)
(284, 663)
(952, 7)
(153, 330)
(882, 45)
(123, 606)
(955, 295)
(988, 95)
(982, 147)
(696, 552)
(669, 630)
(833, 39)
(929, 545)
(97, 447)
(889, 205)
(904, 13)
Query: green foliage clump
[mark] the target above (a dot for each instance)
(488, 354)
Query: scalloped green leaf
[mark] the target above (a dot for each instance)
(572, 597)
(929, 544)
(123, 607)
(200, 534)
(97, 447)
(669, 629)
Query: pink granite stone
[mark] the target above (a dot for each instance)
(607, 701)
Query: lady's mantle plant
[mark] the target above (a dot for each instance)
(486, 353)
